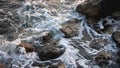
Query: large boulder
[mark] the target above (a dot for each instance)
(98, 9)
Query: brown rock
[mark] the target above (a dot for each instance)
(28, 47)
(2, 65)
(102, 58)
(70, 28)
(89, 10)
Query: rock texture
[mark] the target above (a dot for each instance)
(102, 58)
(70, 28)
(98, 9)
(50, 51)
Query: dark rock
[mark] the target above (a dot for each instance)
(50, 51)
(70, 28)
(28, 47)
(98, 43)
(89, 10)
(116, 38)
(98, 9)
(102, 58)
(47, 38)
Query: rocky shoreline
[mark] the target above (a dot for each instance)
(46, 47)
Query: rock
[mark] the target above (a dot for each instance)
(2, 65)
(49, 51)
(47, 38)
(89, 10)
(98, 43)
(98, 9)
(116, 38)
(70, 28)
(102, 58)
(28, 47)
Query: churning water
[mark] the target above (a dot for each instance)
(48, 15)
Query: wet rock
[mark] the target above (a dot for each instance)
(2, 65)
(98, 43)
(116, 38)
(89, 10)
(98, 9)
(50, 51)
(70, 28)
(47, 38)
(102, 58)
(28, 47)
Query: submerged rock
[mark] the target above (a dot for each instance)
(70, 28)
(116, 38)
(102, 58)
